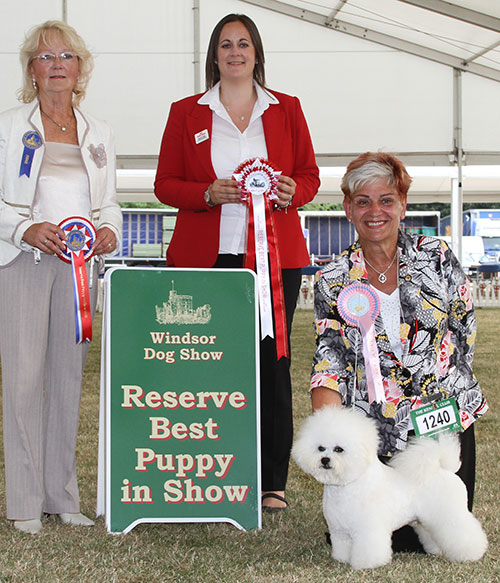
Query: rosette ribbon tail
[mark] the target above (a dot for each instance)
(83, 315)
(261, 239)
(372, 363)
(282, 348)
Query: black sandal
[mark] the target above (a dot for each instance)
(276, 497)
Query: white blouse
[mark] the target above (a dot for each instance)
(229, 148)
(390, 310)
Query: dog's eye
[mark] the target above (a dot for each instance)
(321, 448)
(338, 449)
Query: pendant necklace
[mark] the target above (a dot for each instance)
(63, 128)
(241, 117)
(381, 274)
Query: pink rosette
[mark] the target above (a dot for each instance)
(359, 306)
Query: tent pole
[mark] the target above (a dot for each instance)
(196, 43)
(456, 210)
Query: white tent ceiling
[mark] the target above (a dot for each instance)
(420, 78)
(462, 37)
(463, 34)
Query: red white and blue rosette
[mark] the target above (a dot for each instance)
(258, 182)
(80, 237)
(358, 304)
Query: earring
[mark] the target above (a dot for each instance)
(35, 86)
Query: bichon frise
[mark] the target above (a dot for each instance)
(364, 500)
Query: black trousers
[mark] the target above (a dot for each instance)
(405, 539)
(276, 421)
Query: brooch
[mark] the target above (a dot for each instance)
(98, 155)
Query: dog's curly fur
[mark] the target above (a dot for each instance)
(365, 500)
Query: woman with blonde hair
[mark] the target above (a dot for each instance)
(55, 163)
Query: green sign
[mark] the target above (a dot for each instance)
(181, 375)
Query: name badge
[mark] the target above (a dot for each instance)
(435, 418)
(201, 136)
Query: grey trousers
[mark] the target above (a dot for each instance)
(42, 370)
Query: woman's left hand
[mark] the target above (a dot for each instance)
(105, 241)
(286, 191)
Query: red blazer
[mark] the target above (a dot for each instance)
(185, 171)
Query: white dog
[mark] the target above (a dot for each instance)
(364, 500)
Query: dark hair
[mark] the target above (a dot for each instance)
(212, 73)
(369, 167)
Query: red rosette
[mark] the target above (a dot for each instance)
(257, 176)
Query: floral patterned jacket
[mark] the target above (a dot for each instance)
(438, 330)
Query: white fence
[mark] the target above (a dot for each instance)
(486, 292)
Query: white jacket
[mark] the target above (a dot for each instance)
(17, 191)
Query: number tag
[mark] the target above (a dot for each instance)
(432, 419)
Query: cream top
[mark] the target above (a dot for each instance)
(63, 185)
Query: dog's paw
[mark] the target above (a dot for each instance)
(359, 563)
(429, 544)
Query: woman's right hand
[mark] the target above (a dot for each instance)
(47, 237)
(224, 191)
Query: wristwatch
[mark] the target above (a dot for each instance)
(208, 200)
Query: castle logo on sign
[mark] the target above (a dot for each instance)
(179, 310)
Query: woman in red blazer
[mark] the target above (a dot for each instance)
(206, 137)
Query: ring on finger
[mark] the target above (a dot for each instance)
(45, 241)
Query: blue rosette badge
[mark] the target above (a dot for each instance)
(32, 140)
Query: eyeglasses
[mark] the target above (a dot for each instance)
(49, 58)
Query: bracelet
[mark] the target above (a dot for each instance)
(284, 208)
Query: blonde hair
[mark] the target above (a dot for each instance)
(29, 48)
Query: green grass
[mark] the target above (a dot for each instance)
(289, 548)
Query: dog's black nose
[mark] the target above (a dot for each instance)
(325, 462)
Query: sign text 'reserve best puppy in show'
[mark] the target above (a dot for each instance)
(181, 397)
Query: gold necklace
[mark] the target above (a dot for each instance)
(381, 274)
(241, 117)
